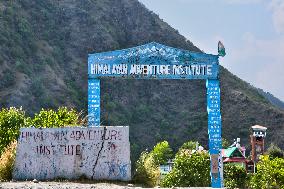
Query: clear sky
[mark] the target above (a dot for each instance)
(252, 32)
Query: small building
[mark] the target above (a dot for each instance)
(257, 142)
(234, 155)
(166, 168)
(257, 146)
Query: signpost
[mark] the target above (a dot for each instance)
(157, 61)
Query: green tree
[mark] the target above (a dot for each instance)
(190, 145)
(189, 170)
(11, 120)
(234, 176)
(269, 175)
(53, 119)
(162, 153)
(275, 152)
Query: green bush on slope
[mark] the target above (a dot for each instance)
(11, 120)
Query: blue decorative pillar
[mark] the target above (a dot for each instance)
(214, 132)
(93, 102)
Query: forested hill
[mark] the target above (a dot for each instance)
(43, 64)
(272, 99)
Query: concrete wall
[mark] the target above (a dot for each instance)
(96, 153)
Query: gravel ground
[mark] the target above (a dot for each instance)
(71, 185)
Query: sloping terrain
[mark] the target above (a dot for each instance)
(43, 64)
(272, 99)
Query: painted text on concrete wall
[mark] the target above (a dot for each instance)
(73, 152)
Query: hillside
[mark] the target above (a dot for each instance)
(272, 99)
(43, 64)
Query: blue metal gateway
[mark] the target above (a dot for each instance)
(156, 61)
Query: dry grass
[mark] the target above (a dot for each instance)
(147, 172)
(7, 160)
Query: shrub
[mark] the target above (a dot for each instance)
(7, 160)
(53, 119)
(190, 145)
(162, 153)
(189, 170)
(11, 120)
(147, 172)
(234, 176)
(270, 174)
(275, 152)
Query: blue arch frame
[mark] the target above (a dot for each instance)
(157, 61)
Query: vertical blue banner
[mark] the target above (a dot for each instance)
(214, 132)
(93, 102)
